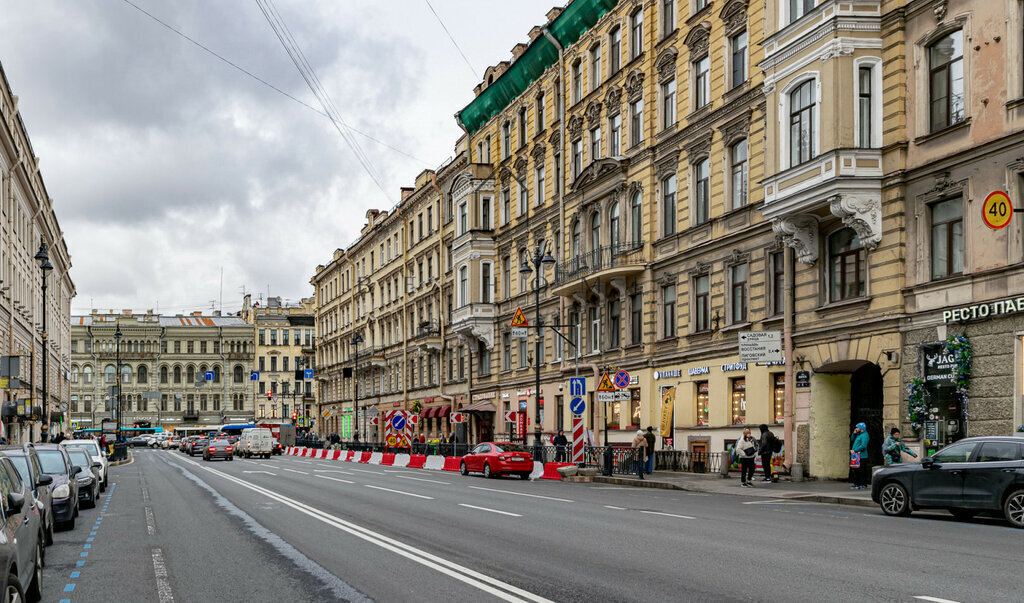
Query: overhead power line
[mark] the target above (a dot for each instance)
(454, 43)
(261, 80)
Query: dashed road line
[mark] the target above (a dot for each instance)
(150, 521)
(490, 510)
(335, 479)
(668, 514)
(399, 492)
(163, 587)
(420, 479)
(616, 508)
(934, 599)
(296, 471)
(521, 494)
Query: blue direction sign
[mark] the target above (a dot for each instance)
(622, 379)
(307, 374)
(254, 375)
(209, 375)
(577, 387)
(398, 422)
(578, 406)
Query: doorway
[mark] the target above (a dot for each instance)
(866, 407)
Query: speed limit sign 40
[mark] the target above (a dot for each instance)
(997, 210)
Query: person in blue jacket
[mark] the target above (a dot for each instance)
(859, 439)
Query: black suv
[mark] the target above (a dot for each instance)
(56, 463)
(974, 475)
(26, 460)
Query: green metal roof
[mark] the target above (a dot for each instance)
(577, 18)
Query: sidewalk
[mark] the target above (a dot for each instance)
(819, 491)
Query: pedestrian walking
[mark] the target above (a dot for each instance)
(860, 472)
(766, 447)
(640, 455)
(560, 443)
(649, 436)
(893, 448)
(746, 450)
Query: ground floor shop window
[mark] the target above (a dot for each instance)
(779, 395)
(703, 402)
(739, 401)
(612, 421)
(634, 407)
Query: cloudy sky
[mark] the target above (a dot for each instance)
(167, 165)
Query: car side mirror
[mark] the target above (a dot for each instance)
(15, 502)
(97, 465)
(75, 470)
(927, 462)
(44, 480)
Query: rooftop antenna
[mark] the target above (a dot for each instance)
(222, 289)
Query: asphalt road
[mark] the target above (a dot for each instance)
(292, 529)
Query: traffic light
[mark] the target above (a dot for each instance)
(295, 416)
(269, 394)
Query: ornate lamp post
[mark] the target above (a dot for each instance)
(44, 264)
(540, 259)
(356, 340)
(117, 398)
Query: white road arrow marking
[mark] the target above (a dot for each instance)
(267, 472)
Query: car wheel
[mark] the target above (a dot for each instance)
(894, 500)
(13, 593)
(48, 538)
(35, 590)
(963, 514)
(103, 484)
(487, 471)
(462, 468)
(1013, 508)
(524, 475)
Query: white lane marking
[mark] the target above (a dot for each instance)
(420, 479)
(332, 471)
(934, 599)
(296, 471)
(616, 508)
(490, 510)
(610, 488)
(269, 466)
(267, 472)
(461, 573)
(774, 501)
(163, 587)
(150, 522)
(367, 471)
(145, 494)
(334, 479)
(521, 494)
(400, 492)
(668, 514)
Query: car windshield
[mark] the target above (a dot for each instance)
(957, 453)
(52, 461)
(89, 446)
(21, 464)
(80, 458)
(509, 448)
(219, 443)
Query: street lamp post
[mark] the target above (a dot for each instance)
(540, 259)
(356, 340)
(44, 264)
(117, 380)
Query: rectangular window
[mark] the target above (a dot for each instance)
(739, 401)
(577, 81)
(701, 82)
(595, 144)
(739, 58)
(485, 282)
(577, 157)
(506, 361)
(614, 323)
(524, 197)
(668, 205)
(778, 274)
(778, 396)
(946, 81)
(614, 50)
(506, 140)
(539, 181)
(506, 205)
(612, 420)
(801, 123)
(538, 115)
(462, 362)
(668, 17)
(702, 303)
(636, 122)
(799, 8)
(636, 34)
(702, 190)
(595, 67)
(463, 218)
(738, 159)
(506, 276)
(703, 403)
(864, 107)
(483, 360)
(668, 103)
(522, 127)
(595, 330)
(947, 238)
(668, 317)
(847, 268)
(614, 135)
(522, 353)
(738, 293)
(485, 213)
(635, 319)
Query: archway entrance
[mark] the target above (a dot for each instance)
(866, 407)
(843, 394)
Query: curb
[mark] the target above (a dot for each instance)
(130, 459)
(813, 498)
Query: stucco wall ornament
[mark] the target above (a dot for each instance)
(862, 214)
(801, 233)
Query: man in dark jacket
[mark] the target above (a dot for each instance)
(560, 443)
(649, 436)
(766, 446)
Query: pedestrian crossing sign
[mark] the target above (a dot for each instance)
(519, 319)
(606, 384)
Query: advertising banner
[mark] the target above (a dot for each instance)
(668, 401)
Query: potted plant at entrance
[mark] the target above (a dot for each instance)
(917, 404)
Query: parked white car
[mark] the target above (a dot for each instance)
(93, 448)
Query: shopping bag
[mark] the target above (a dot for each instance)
(854, 460)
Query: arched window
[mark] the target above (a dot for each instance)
(163, 374)
(595, 232)
(847, 268)
(74, 374)
(576, 239)
(238, 373)
(110, 374)
(524, 260)
(613, 227)
(216, 373)
(636, 219)
(801, 123)
(126, 373)
(190, 374)
(177, 374)
(143, 374)
(87, 373)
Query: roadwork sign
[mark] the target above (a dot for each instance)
(761, 346)
(519, 319)
(606, 384)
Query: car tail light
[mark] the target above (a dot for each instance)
(229, 448)
(502, 458)
(212, 449)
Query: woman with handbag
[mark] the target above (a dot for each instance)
(746, 450)
(859, 465)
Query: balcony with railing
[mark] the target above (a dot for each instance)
(599, 265)
(476, 320)
(428, 335)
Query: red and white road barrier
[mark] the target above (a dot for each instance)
(551, 470)
(401, 460)
(416, 461)
(451, 463)
(434, 462)
(538, 470)
(387, 459)
(375, 458)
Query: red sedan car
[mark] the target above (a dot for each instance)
(498, 458)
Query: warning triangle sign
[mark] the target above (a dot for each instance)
(519, 319)
(606, 384)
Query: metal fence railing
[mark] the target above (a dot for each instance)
(691, 462)
(612, 460)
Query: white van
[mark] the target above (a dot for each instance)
(256, 441)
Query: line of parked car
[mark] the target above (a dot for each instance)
(253, 442)
(42, 488)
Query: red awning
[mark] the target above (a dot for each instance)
(429, 412)
(443, 411)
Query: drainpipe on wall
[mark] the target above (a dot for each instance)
(441, 324)
(787, 336)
